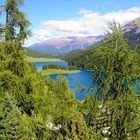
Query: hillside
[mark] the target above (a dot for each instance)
(132, 27)
(78, 58)
(132, 32)
(36, 54)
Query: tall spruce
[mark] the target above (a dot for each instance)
(114, 65)
(16, 26)
(115, 74)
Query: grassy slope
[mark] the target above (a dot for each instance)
(56, 71)
(36, 54)
(40, 59)
(32, 53)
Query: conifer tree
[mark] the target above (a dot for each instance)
(115, 74)
(15, 20)
(12, 125)
(114, 64)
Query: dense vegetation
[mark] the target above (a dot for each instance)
(35, 107)
(32, 106)
(78, 58)
(55, 66)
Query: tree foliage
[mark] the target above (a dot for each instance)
(15, 21)
(114, 64)
(115, 73)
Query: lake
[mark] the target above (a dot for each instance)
(80, 83)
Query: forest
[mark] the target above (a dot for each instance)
(34, 107)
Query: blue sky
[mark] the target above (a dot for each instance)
(42, 10)
(65, 18)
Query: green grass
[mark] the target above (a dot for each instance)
(41, 59)
(56, 71)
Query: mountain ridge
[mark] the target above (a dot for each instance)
(65, 45)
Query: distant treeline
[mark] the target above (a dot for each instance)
(36, 54)
(55, 66)
(79, 58)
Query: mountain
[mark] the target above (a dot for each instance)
(65, 45)
(132, 27)
(132, 32)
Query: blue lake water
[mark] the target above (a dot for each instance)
(80, 83)
(39, 65)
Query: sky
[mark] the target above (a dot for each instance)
(64, 18)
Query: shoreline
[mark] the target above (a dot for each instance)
(57, 71)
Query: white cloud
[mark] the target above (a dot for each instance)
(88, 24)
(84, 11)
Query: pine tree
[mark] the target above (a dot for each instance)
(15, 20)
(115, 65)
(115, 73)
(12, 124)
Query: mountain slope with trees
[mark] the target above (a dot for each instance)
(132, 32)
